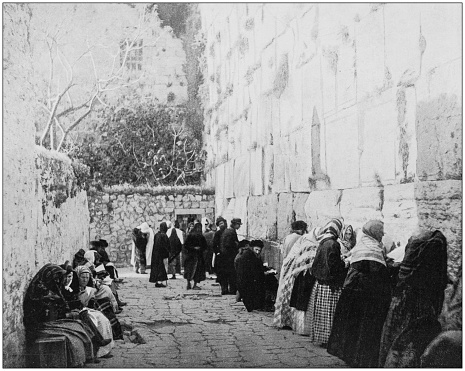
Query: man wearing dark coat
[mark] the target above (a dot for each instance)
(228, 251)
(250, 274)
(221, 227)
(161, 251)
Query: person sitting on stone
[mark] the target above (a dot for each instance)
(47, 314)
(251, 276)
(93, 294)
(99, 246)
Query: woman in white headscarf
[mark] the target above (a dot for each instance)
(142, 246)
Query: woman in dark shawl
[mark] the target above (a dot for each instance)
(194, 264)
(364, 302)
(329, 270)
(46, 314)
(161, 251)
(412, 320)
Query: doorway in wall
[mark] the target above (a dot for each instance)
(185, 219)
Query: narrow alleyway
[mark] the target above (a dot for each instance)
(202, 329)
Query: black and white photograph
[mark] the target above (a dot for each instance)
(232, 185)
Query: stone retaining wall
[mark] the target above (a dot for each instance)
(317, 110)
(114, 215)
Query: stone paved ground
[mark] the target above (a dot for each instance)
(203, 329)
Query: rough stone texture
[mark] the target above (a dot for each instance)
(298, 207)
(440, 207)
(439, 133)
(400, 212)
(360, 205)
(38, 226)
(344, 100)
(113, 216)
(321, 206)
(262, 219)
(285, 214)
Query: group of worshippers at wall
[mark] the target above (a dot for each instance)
(201, 250)
(368, 304)
(78, 301)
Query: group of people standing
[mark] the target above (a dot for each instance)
(201, 250)
(78, 301)
(343, 290)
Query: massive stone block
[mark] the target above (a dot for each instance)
(242, 176)
(439, 136)
(400, 212)
(285, 214)
(298, 207)
(360, 205)
(439, 206)
(322, 206)
(262, 216)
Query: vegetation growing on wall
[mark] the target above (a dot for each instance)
(151, 144)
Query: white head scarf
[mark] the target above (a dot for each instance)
(90, 256)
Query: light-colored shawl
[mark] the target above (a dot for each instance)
(144, 228)
(283, 312)
(370, 246)
(88, 292)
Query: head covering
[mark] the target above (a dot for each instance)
(219, 220)
(236, 221)
(369, 247)
(80, 254)
(374, 229)
(348, 241)
(168, 224)
(90, 256)
(299, 225)
(163, 227)
(332, 230)
(425, 265)
(258, 243)
(46, 283)
(243, 243)
(144, 228)
(95, 243)
(81, 270)
(103, 243)
(197, 228)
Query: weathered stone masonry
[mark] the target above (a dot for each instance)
(114, 215)
(325, 110)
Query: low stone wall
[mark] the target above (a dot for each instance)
(51, 224)
(404, 208)
(114, 215)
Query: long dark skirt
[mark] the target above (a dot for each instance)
(357, 326)
(411, 324)
(158, 271)
(194, 267)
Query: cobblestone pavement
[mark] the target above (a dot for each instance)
(203, 329)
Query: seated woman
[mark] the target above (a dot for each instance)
(46, 314)
(91, 317)
(99, 273)
(98, 296)
(99, 246)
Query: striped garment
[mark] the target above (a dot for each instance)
(368, 249)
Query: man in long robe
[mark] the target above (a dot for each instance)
(228, 251)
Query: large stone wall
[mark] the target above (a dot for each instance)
(114, 215)
(321, 110)
(46, 220)
(45, 215)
